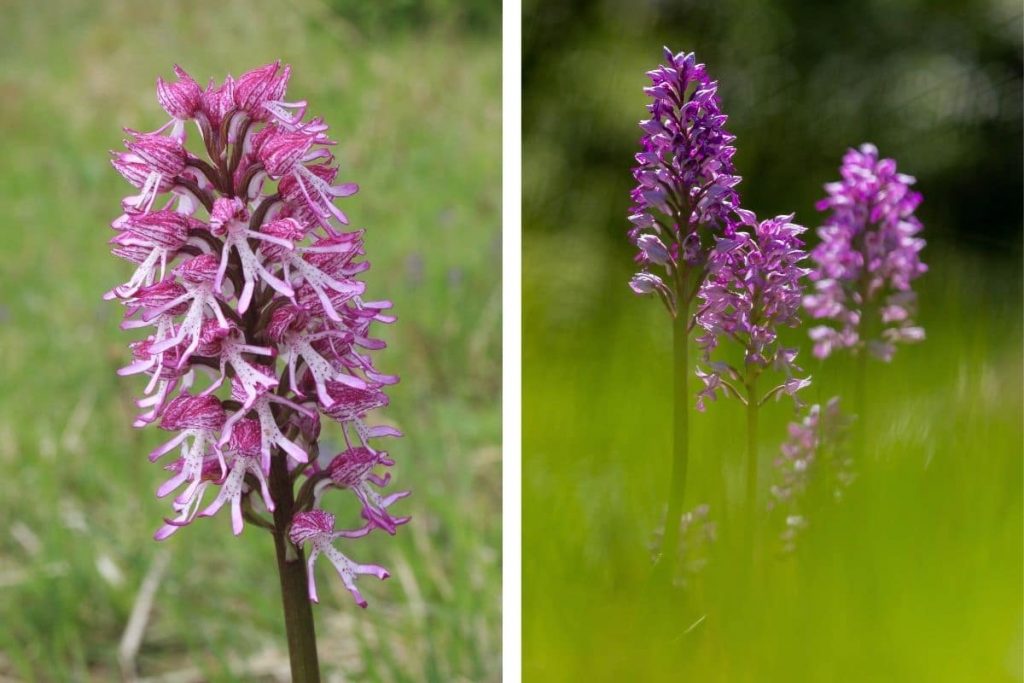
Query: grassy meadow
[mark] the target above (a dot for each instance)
(914, 576)
(417, 115)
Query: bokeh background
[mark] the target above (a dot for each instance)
(411, 90)
(916, 575)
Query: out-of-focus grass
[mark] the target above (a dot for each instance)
(915, 576)
(418, 120)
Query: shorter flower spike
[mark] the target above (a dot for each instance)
(867, 260)
(815, 455)
(753, 289)
(317, 527)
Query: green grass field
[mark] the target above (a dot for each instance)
(915, 576)
(418, 119)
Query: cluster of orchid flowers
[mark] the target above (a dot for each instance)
(748, 274)
(868, 257)
(697, 533)
(718, 268)
(243, 277)
(815, 454)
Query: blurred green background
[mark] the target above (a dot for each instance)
(917, 574)
(412, 94)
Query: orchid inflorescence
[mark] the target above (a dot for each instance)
(867, 259)
(815, 455)
(685, 194)
(255, 311)
(753, 288)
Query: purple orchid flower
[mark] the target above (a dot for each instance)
(250, 291)
(867, 260)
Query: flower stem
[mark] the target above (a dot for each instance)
(681, 429)
(291, 567)
(752, 410)
(860, 403)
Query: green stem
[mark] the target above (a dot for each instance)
(291, 567)
(681, 428)
(860, 402)
(752, 410)
(867, 330)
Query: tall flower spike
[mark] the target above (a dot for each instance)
(685, 197)
(685, 193)
(867, 260)
(243, 274)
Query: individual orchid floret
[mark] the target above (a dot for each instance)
(245, 451)
(270, 432)
(195, 289)
(753, 290)
(286, 155)
(260, 93)
(317, 527)
(153, 165)
(261, 85)
(252, 380)
(353, 469)
(181, 100)
(867, 260)
(685, 194)
(149, 240)
(230, 221)
(296, 347)
(210, 473)
(301, 205)
(199, 418)
(326, 268)
(350, 406)
(214, 104)
(165, 376)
